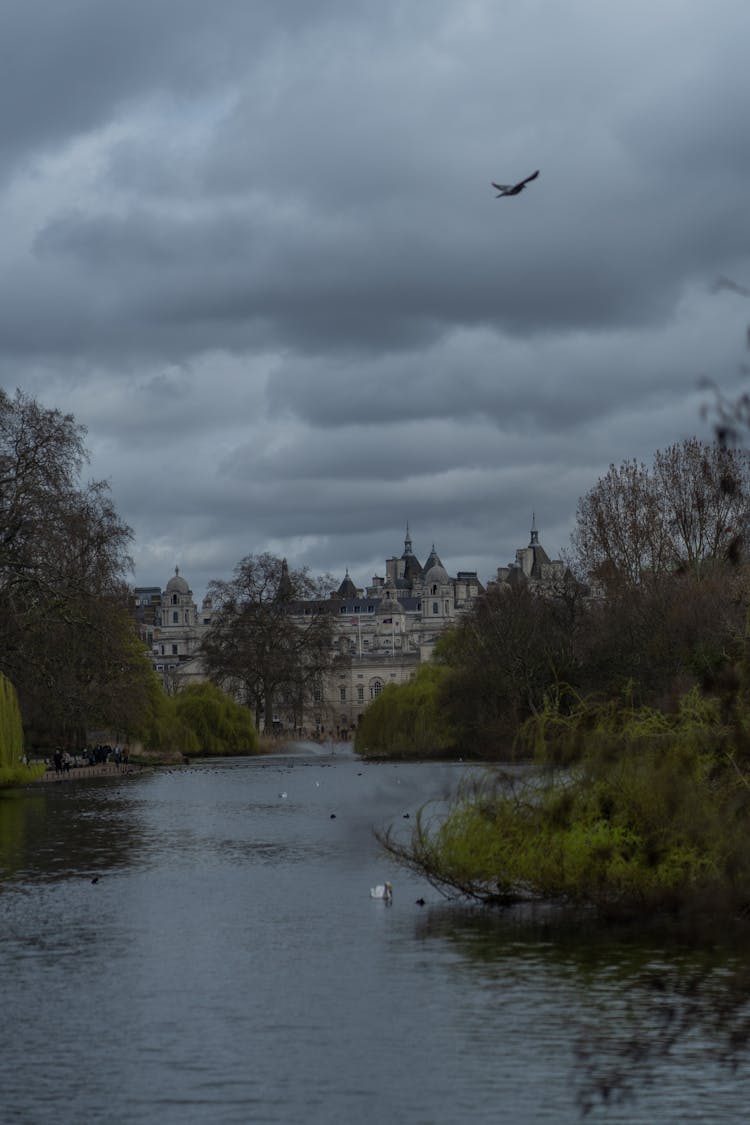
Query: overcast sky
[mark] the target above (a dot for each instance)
(252, 245)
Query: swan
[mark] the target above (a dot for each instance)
(384, 891)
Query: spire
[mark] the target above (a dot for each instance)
(407, 541)
(534, 533)
(433, 560)
(285, 591)
(347, 589)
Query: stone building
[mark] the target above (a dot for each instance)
(533, 565)
(172, 628)
(384, 632)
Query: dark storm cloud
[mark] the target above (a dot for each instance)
(317, 286)
(254, 248)
(67, 68)
(282, 230)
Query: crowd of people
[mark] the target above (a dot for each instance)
(98, 755)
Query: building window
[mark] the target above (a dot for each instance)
(360, 694)
(174, 599)
(342, 694)
(371, 609)
(435, 607)
(175, 617)
(174, 650)
(375, 689)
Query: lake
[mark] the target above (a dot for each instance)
(228, 965)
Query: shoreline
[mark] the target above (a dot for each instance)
(78, 773)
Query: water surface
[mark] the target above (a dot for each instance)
(228, 965)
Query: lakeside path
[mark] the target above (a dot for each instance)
(78, 773)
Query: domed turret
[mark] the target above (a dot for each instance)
(177, 585)
(435, 573)
(389, 605)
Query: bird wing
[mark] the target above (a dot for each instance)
(513, 189)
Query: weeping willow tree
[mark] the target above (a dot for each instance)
(406, 721)
(13, 770)
(630, 809)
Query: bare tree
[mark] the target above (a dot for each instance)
(637, 525)
(704, 491)
(271, 635)
(65, 640)
(41, 455)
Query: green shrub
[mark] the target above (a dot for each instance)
(218, 724)
(648, 810)
(13, 770)
(405, 720)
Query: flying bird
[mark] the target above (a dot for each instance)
(514, 189)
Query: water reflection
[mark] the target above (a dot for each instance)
(19, 813)
(66, 831)
(641, 999)
(230, 966)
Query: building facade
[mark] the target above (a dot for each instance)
(383, 632)
(172, 628)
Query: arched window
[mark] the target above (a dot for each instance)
(375, 689)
